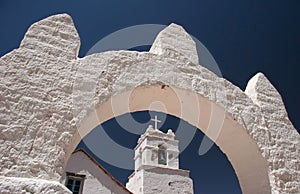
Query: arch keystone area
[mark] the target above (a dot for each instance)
(50, 99)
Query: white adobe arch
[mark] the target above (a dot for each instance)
(45, 90)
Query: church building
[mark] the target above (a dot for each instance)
(156, 169)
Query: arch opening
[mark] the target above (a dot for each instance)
(232, 138)
(211, 173)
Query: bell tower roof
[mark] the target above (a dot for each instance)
(157, 149)
(150, 131)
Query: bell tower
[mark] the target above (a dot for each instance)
(157, 165)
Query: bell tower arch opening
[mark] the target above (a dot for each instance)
(162, 154)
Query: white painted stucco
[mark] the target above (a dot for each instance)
(97, 180)
(50, 99)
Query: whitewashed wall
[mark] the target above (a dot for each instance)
(97, 181)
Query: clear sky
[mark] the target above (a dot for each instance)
(244, 37)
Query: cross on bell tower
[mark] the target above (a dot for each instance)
(156, 121)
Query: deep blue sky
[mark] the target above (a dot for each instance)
(244, 37)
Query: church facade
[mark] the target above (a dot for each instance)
(84, 175)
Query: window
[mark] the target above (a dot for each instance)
(162, 155)
(74, 182)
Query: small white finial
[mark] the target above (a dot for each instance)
(150, 127)
(170, 132)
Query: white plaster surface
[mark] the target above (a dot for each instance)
(45, 90)
(166, 182)
(97, 181)
(283, 143)
(9, 185)
(162, 180)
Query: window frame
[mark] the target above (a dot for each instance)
(75, 177)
